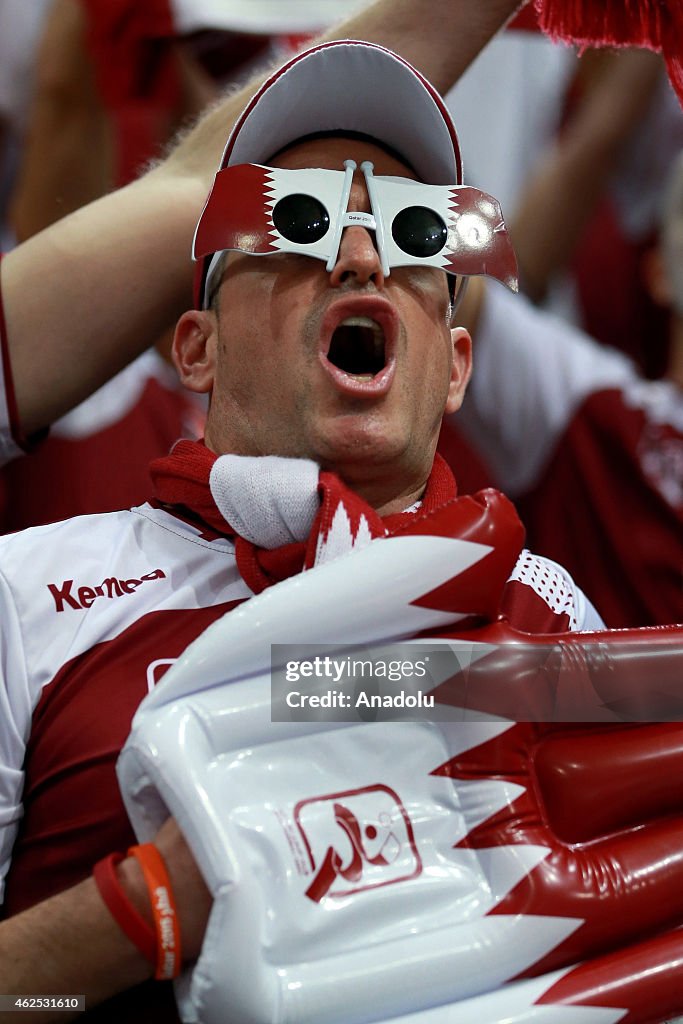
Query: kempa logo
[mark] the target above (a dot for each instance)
(65, 596)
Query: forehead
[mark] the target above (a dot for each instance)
(330, 153)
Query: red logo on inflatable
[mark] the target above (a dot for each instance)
(357, 840)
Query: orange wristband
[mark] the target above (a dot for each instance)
(166, 923)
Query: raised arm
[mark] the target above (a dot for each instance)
(85, 296)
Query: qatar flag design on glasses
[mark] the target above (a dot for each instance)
(260, 210)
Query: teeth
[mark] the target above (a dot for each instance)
(361, 321)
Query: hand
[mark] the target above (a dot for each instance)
(192, 898)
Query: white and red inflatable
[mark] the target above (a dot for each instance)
(458, 865)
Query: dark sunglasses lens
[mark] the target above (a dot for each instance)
(301, 219)
(419, 231)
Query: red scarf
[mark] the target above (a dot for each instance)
(181, 481)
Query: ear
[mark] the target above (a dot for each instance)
(461, 370)
(655, 277)
(194, 349)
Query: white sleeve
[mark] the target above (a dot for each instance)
(590, 619)
(553, 585)
(531, 372)
(15, 719)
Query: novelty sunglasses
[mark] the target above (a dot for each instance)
(260, 210)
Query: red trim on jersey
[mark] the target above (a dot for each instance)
(522, 604)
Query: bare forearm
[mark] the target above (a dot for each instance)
(67, 945)
(440, 37)
(71, 945)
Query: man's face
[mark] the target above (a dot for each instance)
(347, 368)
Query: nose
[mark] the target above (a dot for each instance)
(357, 259)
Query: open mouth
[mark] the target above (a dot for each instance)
(357, 347)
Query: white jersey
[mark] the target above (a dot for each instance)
(92, 613)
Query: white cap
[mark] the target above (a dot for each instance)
(350, 86)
